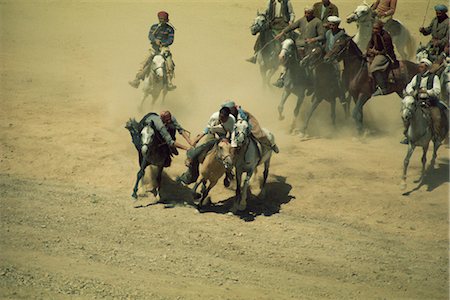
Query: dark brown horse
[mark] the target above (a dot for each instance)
(356, 75)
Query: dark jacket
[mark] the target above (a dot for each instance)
(163, 32)
(330, 10)
(284, 10)
(383, 43)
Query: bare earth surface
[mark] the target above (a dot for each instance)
(334, 225)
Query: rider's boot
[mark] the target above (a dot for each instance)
(134, 83)
(381, 82)
(170, 85)
(252, 59)
(280, 82)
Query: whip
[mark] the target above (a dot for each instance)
(425, 16)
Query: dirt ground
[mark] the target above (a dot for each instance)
(334, 224)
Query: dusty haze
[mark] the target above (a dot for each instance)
(334, 225)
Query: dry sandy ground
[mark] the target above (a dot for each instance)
(335, 224)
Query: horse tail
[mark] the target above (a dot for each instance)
(411, 44)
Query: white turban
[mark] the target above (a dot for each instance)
(334, 19)
(425, 61)
(309, 8)
(229, 104)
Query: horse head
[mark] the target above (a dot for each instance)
(133, 127)
(287, 50)
(158, 67)
(340, 47)
(224, 154)
(408, 107)
(240, 132)
(147, 135)
(314, 57)
(361, 14)
(259, 23)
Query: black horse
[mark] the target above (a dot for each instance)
(152, 150)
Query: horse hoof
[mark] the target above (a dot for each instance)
(301, 135)
(134, 195)
(281, 117)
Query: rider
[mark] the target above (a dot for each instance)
(280, 14)
(438, 29)
(425, 86)
(166, 125)
(311, 31)
(325, 9)
(331, 36)
(380, 52)
(161, 35)
(220, 126)
(257, 132)
(384, 9)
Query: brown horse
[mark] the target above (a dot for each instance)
(356, 75)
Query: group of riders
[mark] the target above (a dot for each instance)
(320, 25)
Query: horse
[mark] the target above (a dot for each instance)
(419, 133)
(401, 37)
(247, 157)
(155, 81)
(326, 85)
(152, 150)
(217, 161)
(359, 82)
(266, 56)
(295, 79)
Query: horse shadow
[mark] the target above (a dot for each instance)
(173, 194)
(434, 177)
(277, 193)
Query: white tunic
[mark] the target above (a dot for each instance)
(215, 127)
(435, 90)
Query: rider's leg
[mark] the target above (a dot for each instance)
(260, 135)
(381, 80)
(170, 71)
(140, 75)
(280, 81)
(256, 49)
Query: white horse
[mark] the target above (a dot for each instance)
(247, 157)
(266, 56)
(401, 37)
(419, 133)
(155, 81)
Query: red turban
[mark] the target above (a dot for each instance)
(164, 15)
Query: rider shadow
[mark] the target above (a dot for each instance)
(277, 193)
(434, 177)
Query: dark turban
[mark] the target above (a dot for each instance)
(164, 15)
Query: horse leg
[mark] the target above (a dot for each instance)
(243, 202)
(284, 97)
(310, 113)
(436, 145)
(194, 189)
(424, 161)
(358, 112)
(262, 194)
(333, 112)
(141, 106)
(300, 98)
(205, 192)
(405, 165)
(158, 181)
(237, 201)
(140, 174)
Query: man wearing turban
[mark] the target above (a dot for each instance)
(438, 29)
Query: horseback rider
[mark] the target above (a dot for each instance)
(311, 31)
(257, 132)
(426, 87)
(323, 10)
(280, 14)
(167, 126)
(161, 36)
(384, 10)
(220, 126)
(382, 59)
(438, 29)
(331, 36)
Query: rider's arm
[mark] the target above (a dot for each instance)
(291, 27)
(291, 12)
(170, 36)
(436, 90)
(180, 146)
(410, 87)
(159, 125)
(427, 30)
(392, 7)
(181, 130)
(151, 33)
(375, 5)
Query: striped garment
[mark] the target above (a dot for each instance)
(162, 32)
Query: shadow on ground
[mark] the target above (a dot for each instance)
(434, 177)
(277, 193)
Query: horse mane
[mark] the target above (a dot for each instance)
(135, 131)
(357, 51)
